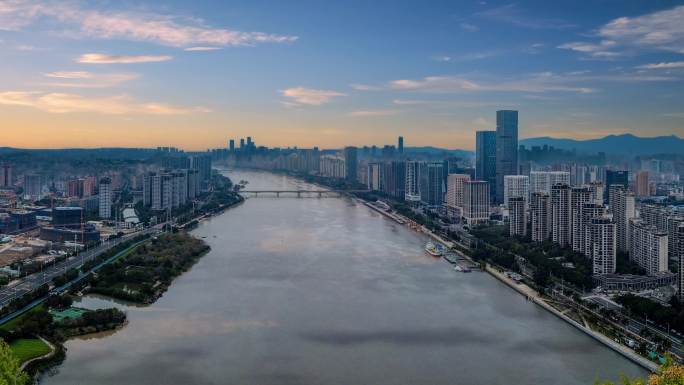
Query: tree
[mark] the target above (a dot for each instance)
(669, 373)
(10, 372)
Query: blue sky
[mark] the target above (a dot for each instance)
(192, 74)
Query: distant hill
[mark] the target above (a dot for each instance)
(438, 151)
(626, 144)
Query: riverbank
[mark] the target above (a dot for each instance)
(521, 288)
(533, 296)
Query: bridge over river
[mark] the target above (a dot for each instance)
(300, 193)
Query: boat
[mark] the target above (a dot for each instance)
(451, 258)
(434, 249)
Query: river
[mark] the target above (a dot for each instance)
(327, 291)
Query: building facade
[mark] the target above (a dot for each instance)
(506, 148)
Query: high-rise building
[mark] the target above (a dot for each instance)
(431, 183)
(673, 223)
(655, 215)
(89, 186)
(516, 186)
(589, 212)
(596, 188)
(6, 175)
(540, 213)
(680, 258)
(351, 163)
(648, 246)
(517, 216)
(412, 190)
(395, 179)
(615, 177)
(560, 215)
(578, 175)
(476, 202)
(601, 245)
(579, 196)
(33, 186)
(400, 144)
(231, 145)
(506, 148)
(454, 194)
(375, 176)
(105, 196)
(75, 188)
(622, 207)
(485, 158)
(642, 184)
(202, 163)
(242, 144)
(542, 181)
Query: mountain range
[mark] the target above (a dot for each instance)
(625, 144)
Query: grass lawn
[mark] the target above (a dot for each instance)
(12, 324)
(26, 349)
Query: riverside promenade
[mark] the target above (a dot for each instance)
(529, 293)
(532, 295)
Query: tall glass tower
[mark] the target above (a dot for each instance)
(485, 159)
(506, 148)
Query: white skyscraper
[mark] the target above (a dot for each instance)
(454, 194)
(648, 246)
(542, 181)
(622, 207)
(475, 201)
(601, 245)
(579, 196)
(516, 186)
(589, 212)
(412, 193)
(540, 213)
(560, 214)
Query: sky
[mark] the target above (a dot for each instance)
(193, 74)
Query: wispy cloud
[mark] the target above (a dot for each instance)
(202, 49)
(512, 14)
(365, 87)
(100, 58)
(469, 27)
(309, 96)
(661, 30)
(69, 103)
(158, 28)
(662, 65)
(371, 113)
(84, 79)
(574, 82)
(601, 49)
(533, 84)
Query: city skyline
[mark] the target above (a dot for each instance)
(83, 74)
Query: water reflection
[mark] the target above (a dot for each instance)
(326, 291)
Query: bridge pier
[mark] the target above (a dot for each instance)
(320, 194)
(299, 194)
(277, 194)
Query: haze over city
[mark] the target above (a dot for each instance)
(103, 74)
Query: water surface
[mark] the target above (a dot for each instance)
(326, 291)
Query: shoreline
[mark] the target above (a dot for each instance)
(530, 294)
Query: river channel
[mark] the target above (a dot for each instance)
(327, 291)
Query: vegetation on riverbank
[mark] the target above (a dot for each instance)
(669, 373)
(10, 372)
(546, 258)
(22, 335)
(145, 274)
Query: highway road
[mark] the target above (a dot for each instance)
(31, 282)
